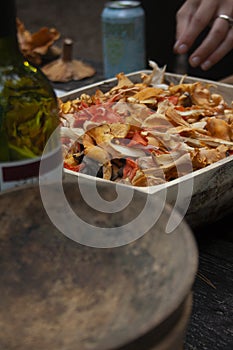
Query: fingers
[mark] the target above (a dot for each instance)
(224, 47)
(193, 17)
(216, 45)
(183, 18)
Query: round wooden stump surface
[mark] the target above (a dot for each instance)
(57, 294)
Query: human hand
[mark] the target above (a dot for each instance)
(192, 18)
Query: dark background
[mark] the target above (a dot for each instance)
(77, 19)
(80, 20)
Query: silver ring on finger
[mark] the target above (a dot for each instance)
(227, 18)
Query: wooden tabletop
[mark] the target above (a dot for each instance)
(211, 323)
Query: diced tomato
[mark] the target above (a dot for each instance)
(97, 101)
(83, 105)
(180, 108)
(138, 139)
(173, 99)
(75, 168)
(130, 169)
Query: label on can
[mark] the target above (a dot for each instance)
(23, 172)
(123, 32)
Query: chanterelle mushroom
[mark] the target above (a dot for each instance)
(65, 68)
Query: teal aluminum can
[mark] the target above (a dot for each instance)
(123, 37)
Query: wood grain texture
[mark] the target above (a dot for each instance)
(211, 323)
(57, 294)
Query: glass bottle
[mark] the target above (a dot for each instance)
(28, 110)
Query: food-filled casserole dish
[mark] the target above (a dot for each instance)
(161, 133)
